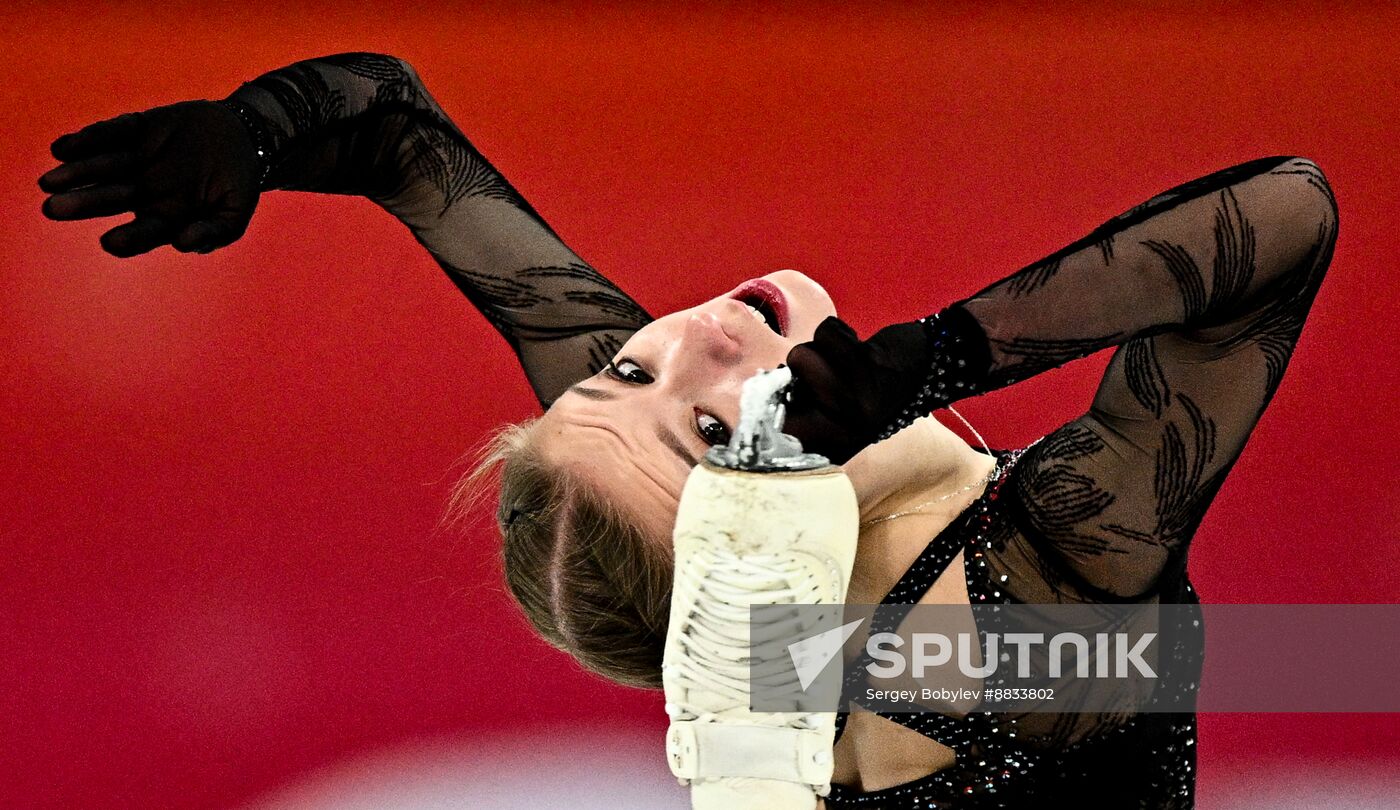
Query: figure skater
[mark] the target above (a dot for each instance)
(1202, 291)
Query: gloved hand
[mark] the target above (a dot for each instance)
(188, 171)
(846, 391)
(849, 393)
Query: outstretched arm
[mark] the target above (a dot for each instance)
(359, 124)
(364, 124)
(1204, 291)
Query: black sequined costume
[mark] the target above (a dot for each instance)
(1203, 291)
(1036, 760)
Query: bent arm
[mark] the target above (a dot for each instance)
(1204, 290)
(363, 124)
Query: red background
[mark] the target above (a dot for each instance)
(222, 474)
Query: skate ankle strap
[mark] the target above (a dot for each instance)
(705, 750)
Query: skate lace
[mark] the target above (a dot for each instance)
(717, 667)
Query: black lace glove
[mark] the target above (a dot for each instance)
(848, 393)
(188, 171)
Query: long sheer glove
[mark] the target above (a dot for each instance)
(849, 393)
(188, 171)
(365, 124)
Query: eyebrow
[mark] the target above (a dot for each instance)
(667, 436)
(672, 441)
(592, 393)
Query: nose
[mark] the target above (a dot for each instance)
(705, 337)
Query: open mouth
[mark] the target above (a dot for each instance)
(765, 302)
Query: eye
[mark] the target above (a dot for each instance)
(711, 429)
(627, 371)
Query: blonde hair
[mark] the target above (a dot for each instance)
(588, 579)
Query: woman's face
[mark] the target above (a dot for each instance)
(636, 428)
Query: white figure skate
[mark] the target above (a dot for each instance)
(759, 523)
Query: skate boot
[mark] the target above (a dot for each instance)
(760, 523)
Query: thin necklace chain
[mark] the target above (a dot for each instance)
(998, 470)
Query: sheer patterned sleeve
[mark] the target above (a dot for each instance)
(1203, 291)
(363, 124)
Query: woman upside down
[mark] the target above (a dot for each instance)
(1202, 291)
